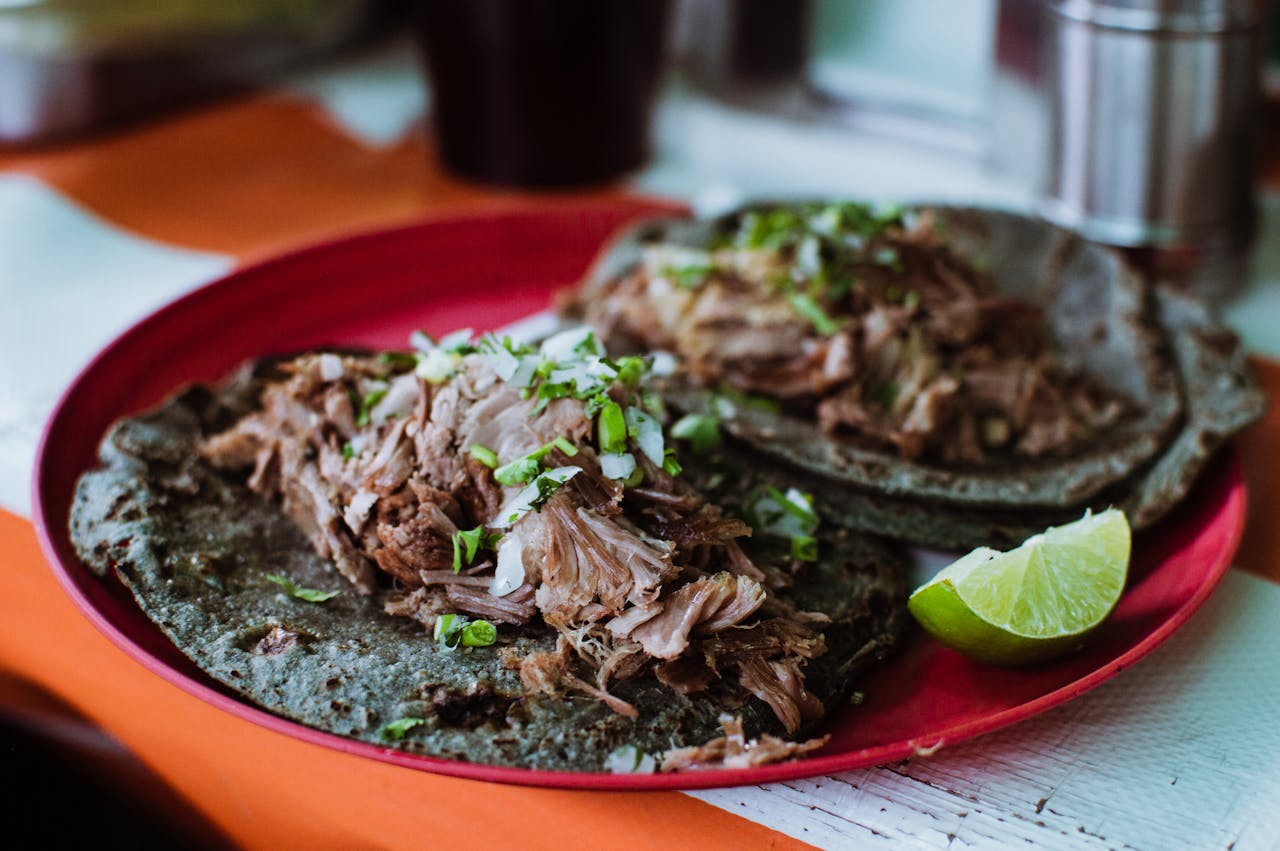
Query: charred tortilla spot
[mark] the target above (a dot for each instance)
(479, 705)
(277, 640)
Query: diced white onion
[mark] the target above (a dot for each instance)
(658, 258)
(509, 574)
(647, 433)
(523, 374)
(723, 409)
(402, 396)
(436, 366)
(454, 339)
(664, 363)
(629, 759)
(421, 341)
(617, 465)
(522, 503)
(800, 500)
(330, 367)
(503, 362)
(561, 347)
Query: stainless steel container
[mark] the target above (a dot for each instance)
(1152, 119)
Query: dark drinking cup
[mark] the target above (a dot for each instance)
(542, 93)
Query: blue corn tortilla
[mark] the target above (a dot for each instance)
(206, 560)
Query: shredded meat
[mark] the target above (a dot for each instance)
(924, 356)
(515, 608)
(376, 468)
(549, 673)
(734, 750)
(709, 604)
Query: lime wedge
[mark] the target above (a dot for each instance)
(1033, 603)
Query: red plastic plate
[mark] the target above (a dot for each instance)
(487, 271)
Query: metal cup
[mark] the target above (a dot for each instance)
(1153, 120)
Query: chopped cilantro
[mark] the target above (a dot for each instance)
(587, 347)
(467, 544)
(735, 397)
(452, 630)
(887, 394)
(796, 503)
(804, 548)
(630, 370)
(348, 451)
(479, 633)
(701, 430)
(546, 486)
(366, 404)
(396, 729)
(911, 300)
(805, 305)
(888, 256)
(688, 277)
(549, 391)
(522, 470)
(397, 361)
(518, 472)
(311, 595)
(562, 443)
(611, 428)
(484, 455)
(670, 464)
(448, 628)
(786, 515)
(534, 495)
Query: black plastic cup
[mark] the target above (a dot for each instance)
(542, 93)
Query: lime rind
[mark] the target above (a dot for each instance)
(1032, 603)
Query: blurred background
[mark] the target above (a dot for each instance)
(1149, 124)
(1137, 122)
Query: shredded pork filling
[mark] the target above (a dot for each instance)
(376, 465)
(900, 342)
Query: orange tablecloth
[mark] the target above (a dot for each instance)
(249, 178)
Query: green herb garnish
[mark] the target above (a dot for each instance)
(479, 634)
(452, 630)
(366, 404)
(311, 595)
(484, 455)
(735, 397)
(348, 451)
(701, 430)
(518, 472)
(562, 443)
(400, 361)
(611, 428)
(670, 464)
(804, 304)
(689, 277)
(888, 256)
(887, 394)
(396, 729)
(787, 515)
(804, 548)
(467, 544)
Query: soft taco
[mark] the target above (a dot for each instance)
(485, 552)
(963, 376)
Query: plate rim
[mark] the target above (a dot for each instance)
(1225, 471)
